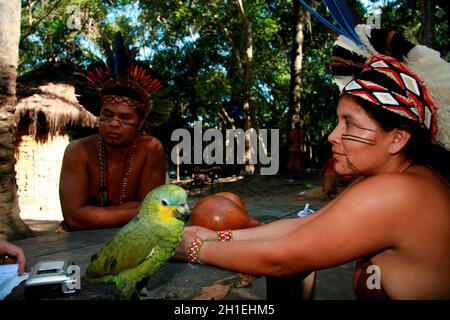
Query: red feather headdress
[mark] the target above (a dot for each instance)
(121, 70)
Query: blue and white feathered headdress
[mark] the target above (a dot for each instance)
(384, 68)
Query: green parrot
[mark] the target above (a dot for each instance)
(142, 246)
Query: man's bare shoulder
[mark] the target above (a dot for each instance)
(82, 148)
(149, 144)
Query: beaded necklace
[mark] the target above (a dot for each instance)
(103, 194)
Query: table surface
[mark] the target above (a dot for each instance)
(175, 280)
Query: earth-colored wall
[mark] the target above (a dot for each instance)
(38, 168)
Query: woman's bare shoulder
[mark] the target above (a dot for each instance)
(399, 192)
(417, 179)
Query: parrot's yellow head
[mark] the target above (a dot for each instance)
(166, 204)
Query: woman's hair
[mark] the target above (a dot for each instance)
(419, 148)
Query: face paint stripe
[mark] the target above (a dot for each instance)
(358, 139)
(126, 123)
(367, 129)
(351, 166)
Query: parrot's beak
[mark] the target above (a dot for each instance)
(182, 213)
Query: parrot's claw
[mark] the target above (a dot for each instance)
(143, 294)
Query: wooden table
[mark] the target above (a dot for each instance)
(176, 280)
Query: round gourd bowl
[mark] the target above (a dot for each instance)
(221, 211)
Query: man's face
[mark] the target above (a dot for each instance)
(119, 124)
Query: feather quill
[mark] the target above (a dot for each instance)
(343, 16)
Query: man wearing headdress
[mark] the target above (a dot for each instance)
(104, 177)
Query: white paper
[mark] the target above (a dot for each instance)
(9, 278)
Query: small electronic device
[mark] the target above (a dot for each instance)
(62, 276)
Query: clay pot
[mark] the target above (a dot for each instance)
(221, 211)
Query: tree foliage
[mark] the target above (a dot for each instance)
(226, 61)
(405, 16)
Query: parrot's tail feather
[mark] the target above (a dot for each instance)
(125, 290)
(103, 279)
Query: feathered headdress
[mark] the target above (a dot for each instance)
(384, 68)
(122, 79)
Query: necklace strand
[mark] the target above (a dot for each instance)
(103, 189)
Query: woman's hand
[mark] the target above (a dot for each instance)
(8, 250)
(181, 252)
(191, 233)
(200, 232)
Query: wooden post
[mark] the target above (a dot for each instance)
(296, 287)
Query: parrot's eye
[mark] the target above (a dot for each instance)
(164, 202)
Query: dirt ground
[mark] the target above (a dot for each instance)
(267, 192)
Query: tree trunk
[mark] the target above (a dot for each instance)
(427, 8)
(11, 226)
(294, 106)
(247, 76)
(296, 64)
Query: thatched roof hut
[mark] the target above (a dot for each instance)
(47, 104)
(47, 113)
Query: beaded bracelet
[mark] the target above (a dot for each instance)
(194, 249)
(224, 235)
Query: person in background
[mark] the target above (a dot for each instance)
(294, 144)
(329, 179)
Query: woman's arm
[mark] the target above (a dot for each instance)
(269, 231)
(363, 221)
(272, 230)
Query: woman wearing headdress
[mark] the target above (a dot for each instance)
(105, 176)
(393, 132)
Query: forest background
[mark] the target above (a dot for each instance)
(229, 63)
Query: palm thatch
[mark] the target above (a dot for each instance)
(47, 104)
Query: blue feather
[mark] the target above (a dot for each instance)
(320, 18)
(341, 14)
(119, 55)
(109, 54)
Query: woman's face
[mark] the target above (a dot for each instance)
(359, 144)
